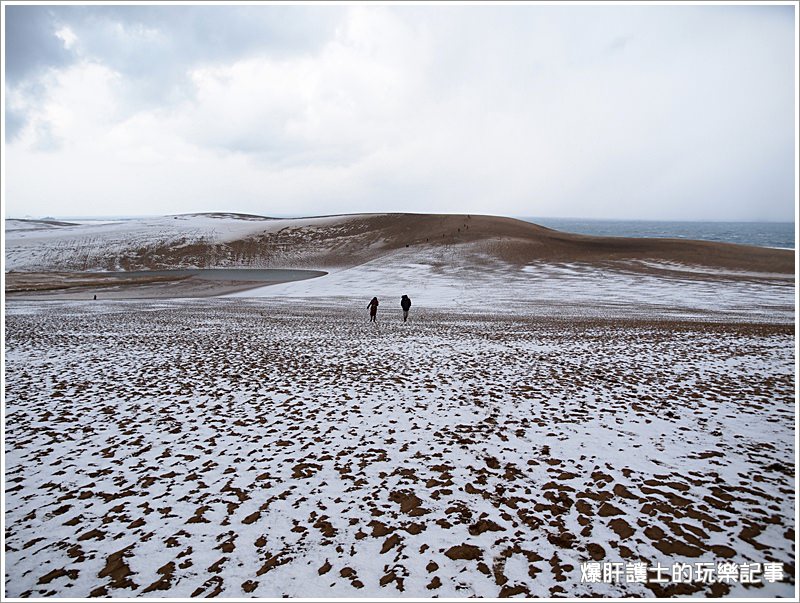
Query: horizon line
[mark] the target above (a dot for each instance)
(103, 217)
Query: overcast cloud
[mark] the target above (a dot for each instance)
(651, 112)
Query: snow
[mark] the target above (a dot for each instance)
(31, 248)
(482, 284)
(273, 443)
(241, 444)
(704, 270)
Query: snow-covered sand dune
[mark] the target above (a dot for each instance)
(555, 400)
(553, 289)
(184, 241)
(226, 240)
(439, 260)
(279, 447)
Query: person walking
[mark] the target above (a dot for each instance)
(405, 303)
(373, 309)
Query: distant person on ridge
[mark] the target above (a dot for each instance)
(373, 309)
(405, 303)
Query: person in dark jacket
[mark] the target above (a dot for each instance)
(405, 303)
(373, 309)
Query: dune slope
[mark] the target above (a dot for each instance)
(230, 240)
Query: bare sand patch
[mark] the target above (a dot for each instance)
(145, 284)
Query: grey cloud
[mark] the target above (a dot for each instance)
(17, 117)
(186, 36)
(15, 122)
(30, 43)
(154, 47)
(651, 112)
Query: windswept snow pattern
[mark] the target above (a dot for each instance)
(448, 278)
(134, 244)
(281, 447)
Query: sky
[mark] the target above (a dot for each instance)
(683, 112)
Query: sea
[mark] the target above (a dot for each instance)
(780, 235)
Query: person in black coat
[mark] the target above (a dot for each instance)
(405, 303)
(373, 309)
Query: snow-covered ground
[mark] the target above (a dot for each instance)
(447, 277)
(284, 446)
(529, 418)
(38, 246)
